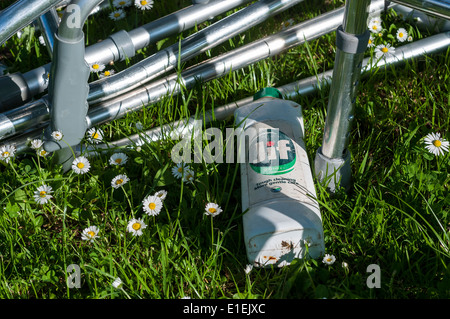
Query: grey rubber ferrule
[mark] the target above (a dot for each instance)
(351, 43)
(333, 172)
(68, 91)
(124, 44)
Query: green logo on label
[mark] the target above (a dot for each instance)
(275, 153)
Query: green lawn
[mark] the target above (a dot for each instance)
(396, 215)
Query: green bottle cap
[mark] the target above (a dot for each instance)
(269, 91)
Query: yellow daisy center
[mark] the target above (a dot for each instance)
(119, 181)
(212, 210)
(95, 135)
(122, 3)
(96, 66)
(152, 206)
(437, 143)
(143, 2)
(42, 193)
(180, 169)
(385, 50)
(43, 152)
(118, 160)
(400, 34)
(5, 154)
(375, 27)
(136, 226)
(80, 165)
(117, 14)
(370, 41)
(91, 233)
(107, 73)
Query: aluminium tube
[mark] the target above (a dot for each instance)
(107, 51)
(428, 46)
(437, 8)
(347, 70)
(167, 59)
(48, 25)
(20, 14)
(246, 55)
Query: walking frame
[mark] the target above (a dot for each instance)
(73, 105)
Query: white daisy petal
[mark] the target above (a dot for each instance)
(162, 194)
(212, 209)
(36, 144)
(384, 51)
(118, 159)
(81, 165)
(95, 135)
(152, 205)
(97, 67)
(7, 153)
(42, 194)
(57, 135)
(402, 35)
(119, 181)
(435, 144)
(144, 4)
(117, 15)
(121, 3)
(90, 233)
(329, 259)
(135, 226)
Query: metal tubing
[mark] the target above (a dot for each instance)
(437, 8)
(219, 66)
(20, 14)
(346, 74)
(428, 46)
(48, 25)
(167, 59)
(106, 50)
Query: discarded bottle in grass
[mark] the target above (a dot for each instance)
(283, 220)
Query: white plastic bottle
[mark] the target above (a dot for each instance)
(283, 220)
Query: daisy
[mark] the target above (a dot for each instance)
(213, 209)
(188, 175)
(7, 152)
(384, 51)
(41, 152)
(371, 43)
(57, 135)
(97, 67)
(117, 283)
(248, 268)
(95, 135)
(178, 170)
(287, 24)
(118, 159)
(152, 205)
(117, 15)
(135, 226)
(81, 165)
(42, 194)
(36, 144)
(328, 259)
(107, 73)
(144, 4)
(121, 3)
(162, 194)
(375, 25)
(402, 35)
(436, 144)
(410, 38)
(90, 233)
(119, 180)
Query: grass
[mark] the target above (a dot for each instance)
(396, 215)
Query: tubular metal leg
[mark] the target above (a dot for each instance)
(48, 24)
(332, 162)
